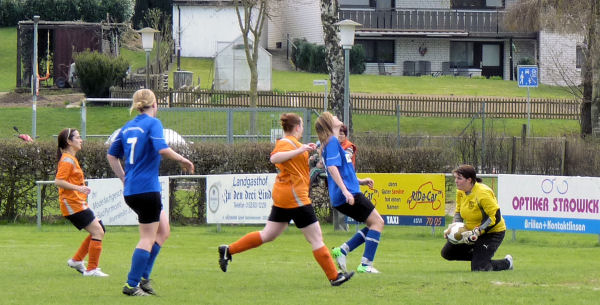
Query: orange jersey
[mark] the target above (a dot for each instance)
(291, 185)
(71, 201)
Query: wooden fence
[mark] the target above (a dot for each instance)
(405, 105)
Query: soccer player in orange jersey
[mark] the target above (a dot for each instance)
(72, 193)
(290, 202)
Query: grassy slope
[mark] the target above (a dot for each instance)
(549, 269)
(8, 58)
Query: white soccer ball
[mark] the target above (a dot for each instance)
(454, 232)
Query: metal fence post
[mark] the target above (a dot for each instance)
(229, 126)
(83, 120)
(39, 206)
(307, 125)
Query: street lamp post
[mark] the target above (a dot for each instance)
(347, 28)
(147, 45)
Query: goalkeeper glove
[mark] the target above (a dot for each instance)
(469, 237)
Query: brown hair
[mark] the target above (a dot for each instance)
(344, 130)
(467, 171)
(62, 139)
(289, 121)
(324, 127)
(142, 99)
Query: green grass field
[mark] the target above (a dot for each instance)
(104, 120)
(549, 269)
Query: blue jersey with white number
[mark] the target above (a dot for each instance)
(138, 144)
(334, 155)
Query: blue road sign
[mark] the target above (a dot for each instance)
(527, 76)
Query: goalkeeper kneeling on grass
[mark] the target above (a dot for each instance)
(477, 207)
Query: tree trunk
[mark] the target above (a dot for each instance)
(586, 104)
(335, 55)
(594, 54)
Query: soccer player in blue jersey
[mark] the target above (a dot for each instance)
(346, 197)
(141, 145)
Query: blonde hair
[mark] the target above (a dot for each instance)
(324, 127)
(142, 99)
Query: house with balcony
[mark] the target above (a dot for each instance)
(438, 37)
(400, 37)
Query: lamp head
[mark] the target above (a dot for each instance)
(347, 28)
(147, 38)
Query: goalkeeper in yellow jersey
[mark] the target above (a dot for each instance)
(477, 207)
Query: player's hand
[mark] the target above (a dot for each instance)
(84, 189)
(368, 182)
(349, 197)
(469, 237)
(446, 233)
(476, 231)
(187, 165)
(311, 146)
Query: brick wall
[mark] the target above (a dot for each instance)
(557, 59)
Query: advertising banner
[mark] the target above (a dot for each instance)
(106, 200)
(239, 198)
(408, 199)
(550, 203)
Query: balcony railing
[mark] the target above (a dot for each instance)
(474, 23)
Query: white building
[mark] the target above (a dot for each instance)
(400, 37)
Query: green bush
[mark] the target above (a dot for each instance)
(13, 11)
(97, 72)
(311, 57)
(357, 59)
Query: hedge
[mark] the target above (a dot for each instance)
(22, 164)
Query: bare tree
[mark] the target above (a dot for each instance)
(575, 16)
(252, 15)
(335, 57)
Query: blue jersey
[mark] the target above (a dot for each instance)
(334, 155)
(138, 143)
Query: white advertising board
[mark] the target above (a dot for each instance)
(106, 200)
(550, 203)
(237, 199)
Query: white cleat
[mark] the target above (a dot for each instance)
(95, 272)
(366, 269)
(509, 258)
(77, 265)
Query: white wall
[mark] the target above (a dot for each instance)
(557, 58)
(202, 27)
(302, 19)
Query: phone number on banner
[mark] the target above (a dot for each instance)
(428, 221)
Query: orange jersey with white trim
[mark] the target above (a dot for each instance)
(291, 185)
(69, 170)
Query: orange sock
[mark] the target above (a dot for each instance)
(83, 249)
(249, 241)
(324, 259)
(95, 250)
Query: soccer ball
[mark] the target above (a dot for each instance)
(454, 232)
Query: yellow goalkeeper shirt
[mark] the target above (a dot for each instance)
(480, 208)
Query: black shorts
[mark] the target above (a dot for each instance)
(360, 210)
(147, 206)
(82, 219)
(303, 216)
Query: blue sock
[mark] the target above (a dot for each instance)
(139, 260)
(371, 243)
(356, 240)
(150, 264)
